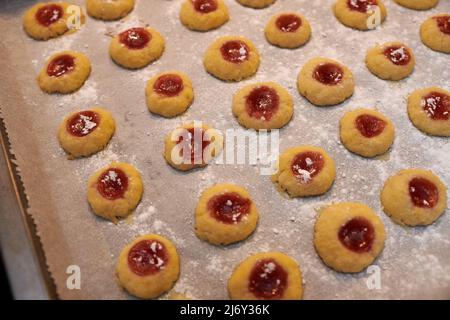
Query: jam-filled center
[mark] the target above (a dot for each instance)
(398, 55)
(49, 14)
(288, 22)
(112, 184)
(436, 105)
(262, 103)
(61, 65)
(306, 165)
(268, 279)
(361, 5)
(370, 126)
(229, 207)
(135, 38)
(443, 23)
(147, 257)
(168, 85)
(205, 6)
(235, 51)
(83, 123)
(328, 73)
(357, 235)
(423, 193)
(194, 144)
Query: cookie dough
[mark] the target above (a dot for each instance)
(203, 15)
(169, 94)
(288, 30)
(414, 197)
(360, 14)
(86, 132)
(305, 171)
(231, 58)
(256, 4)
(263, 105)
(435, 32)
(429, 110)
(109, 10)
(44, 21)
(192, 145)
(418, 4)
(391, 61)
(64, 72)
(135, 48)
(225, 214)
(114, 191)
(348, 236)
(325, 82)
(148, 266)
(366, 132)
(266, 276)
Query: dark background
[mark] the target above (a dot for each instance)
(5, 289)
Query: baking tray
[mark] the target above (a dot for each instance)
(415, 262)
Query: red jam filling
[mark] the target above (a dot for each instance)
(169, 85)
(204, 6)
(306, 165)
(235, 51)
(328, 73)
(61, 65)
(398, 55)
(361, 5)
(147, 257)
(443, 23)
(357, 235)
(369, 126)
(49, 14)
(268, 280)
(436, 105)
(229, 207)
(195, 143)
(83, 123)
(288, 22)
(135, 38)
(262, 103)
(423, 193)
(112, 183)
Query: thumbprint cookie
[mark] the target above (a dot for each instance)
(360, 14)
(256, 4)
(418, 4)
(435, 32)
(203, 15)
(288, 30)
(109, 10)
(391, 61)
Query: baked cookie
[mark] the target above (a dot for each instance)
(325, 82)
(231, 58)
(256, 4)
(86, 132)
(435, 32)
(266, 276)
(192, 145)
(305, 171)
(109, 10)
(169, 94)
(114, 191)
(288, 30)
(64, 72)
(263, 105)
(225, 214)
(148, 266)
(203, 15)
(429, 111)
(44, 21)
(366, 132)
(360, 14)
(348, 236)
(135, 48)
(391, 61)
(414, 197)
(418, 4)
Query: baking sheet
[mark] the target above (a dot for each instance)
(415, 262)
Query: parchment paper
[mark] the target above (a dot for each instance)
(415, 262)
